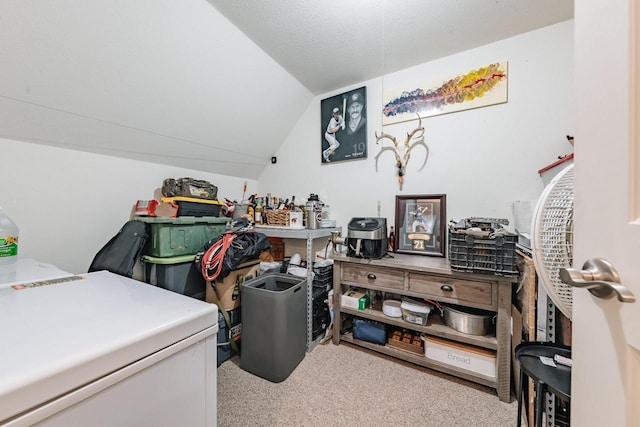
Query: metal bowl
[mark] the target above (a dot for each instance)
(467, 320)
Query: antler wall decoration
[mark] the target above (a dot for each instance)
(403, 152)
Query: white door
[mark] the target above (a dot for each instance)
(606, 333)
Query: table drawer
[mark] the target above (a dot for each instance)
(376, 276)
(455, 289)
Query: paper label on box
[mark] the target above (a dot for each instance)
(461, 358)
(235, 332)
(354, 298)
(295, 220)
(416, 319)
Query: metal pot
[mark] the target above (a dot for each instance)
(467, 320)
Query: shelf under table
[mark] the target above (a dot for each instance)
(422, 360)
(434, 327)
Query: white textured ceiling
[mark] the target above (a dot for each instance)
(330, 44)
(201, 84)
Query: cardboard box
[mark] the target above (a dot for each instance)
(296, 220)
(355, 298)
(277, 248)
(228, 289)
(475, 359)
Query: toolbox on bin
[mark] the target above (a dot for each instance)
(178, 274)
(185, 235)
(274, 325)
(190, 206)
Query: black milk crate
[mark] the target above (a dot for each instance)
(321, 313)
(323, 273)
(490, 256)
(323, 276)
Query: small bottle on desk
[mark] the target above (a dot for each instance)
(392, 239)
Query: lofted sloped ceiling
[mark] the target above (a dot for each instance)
(164, 81)
(330, 44)
(217, 85)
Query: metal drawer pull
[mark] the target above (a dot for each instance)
(446, 288)
(371, 276)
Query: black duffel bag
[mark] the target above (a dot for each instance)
(225, 253)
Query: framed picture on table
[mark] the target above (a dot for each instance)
(343, 127)
(420, 225)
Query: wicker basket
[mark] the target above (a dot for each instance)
(277, 217)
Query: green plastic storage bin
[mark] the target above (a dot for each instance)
(185, 235)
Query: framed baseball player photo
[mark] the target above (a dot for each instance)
(420, 224)
(344, 126)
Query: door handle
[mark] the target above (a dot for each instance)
(600, 278)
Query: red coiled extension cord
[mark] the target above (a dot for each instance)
(213, 257)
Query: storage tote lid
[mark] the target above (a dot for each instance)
(182, 220)
(416, 307)
(169, 260)
(391, 308)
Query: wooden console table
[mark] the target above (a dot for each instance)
(432, 278)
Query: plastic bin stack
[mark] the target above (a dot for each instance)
(171, 249)
(168, 262)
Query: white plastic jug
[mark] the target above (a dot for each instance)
(8, 240)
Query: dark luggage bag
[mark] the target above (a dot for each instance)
(120, 253)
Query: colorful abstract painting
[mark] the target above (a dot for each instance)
(477, 88)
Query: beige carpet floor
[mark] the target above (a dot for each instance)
(346, 385)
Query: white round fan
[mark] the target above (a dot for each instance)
(552, 238)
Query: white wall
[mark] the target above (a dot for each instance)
(68, 204)
(482, 159)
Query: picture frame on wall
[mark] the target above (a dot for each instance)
(420, 225)
(407, 95)
(343, 126)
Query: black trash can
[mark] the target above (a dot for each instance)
(274, 325)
